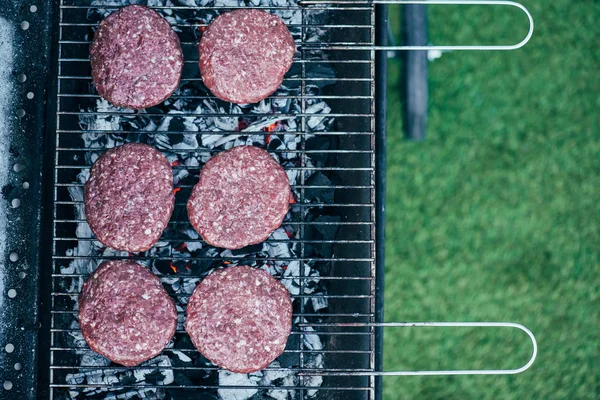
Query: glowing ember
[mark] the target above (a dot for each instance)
(268, 139)
(176, 190)
(175, 163)
(174, 268)
(181, 248)
(273, 127)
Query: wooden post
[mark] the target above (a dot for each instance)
(415, 86)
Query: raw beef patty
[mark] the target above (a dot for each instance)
(125, 314)
(129, 197)
(244, 55)
(136, 58)
(242, 196)
(240, 318)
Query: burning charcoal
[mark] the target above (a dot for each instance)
(128, 380)
(294, 284)
(274, 142)
(323, 267)
(276, 378)
(192, 377)
(189, 394)
(321, 230)
(311, 286)
(313, 359)
(318, 123)
(255, 248)
(318, 143)
(155, 377)
(321, 70)
(323, 195)
(290, 359)
(319, 303)
(279, 249)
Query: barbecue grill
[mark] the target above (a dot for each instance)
(326, 126)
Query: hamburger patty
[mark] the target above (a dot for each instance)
(240, 318)
(245, 54)
(129, 197)
(125, 314)
(242, 196)
(136, 58)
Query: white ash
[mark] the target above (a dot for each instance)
(182, 356)
(319, 303)
(313, 360)
(250, 381)
(115, 377)
(270, 376)
(285, 377)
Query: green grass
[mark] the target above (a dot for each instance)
(496, 216)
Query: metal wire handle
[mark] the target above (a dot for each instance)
(432, 2)
(432, 372)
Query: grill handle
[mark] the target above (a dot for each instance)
(427, 2)
(355, 372)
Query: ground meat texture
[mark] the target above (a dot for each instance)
(244, 55)
(242, 196)
(240, 318)
(136, 58)
(125, 314)
(129, 197)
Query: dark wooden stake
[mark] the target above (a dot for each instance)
(414, 33)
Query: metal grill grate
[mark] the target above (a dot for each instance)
(320, 125)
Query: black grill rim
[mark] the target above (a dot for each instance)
(48, 177)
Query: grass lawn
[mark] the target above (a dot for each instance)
(496, 216)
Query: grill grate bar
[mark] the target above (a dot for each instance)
(328, 315)
(298, 44)
(307, 61)
(177, 97)
(206, 151)
(207, 115)
(193, 277)
(193, 368)
(324, 26)
(294, 296)
(199, 387)
(287, 223)
(293, 187)
(137, 367)
(324, 133)
(298, 205)
(335, 7)
(182, 331)
(285, 80)
(157, 258)
(197, 168)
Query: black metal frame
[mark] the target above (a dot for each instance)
(21, 267)
(33, 313)
(380, 182)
